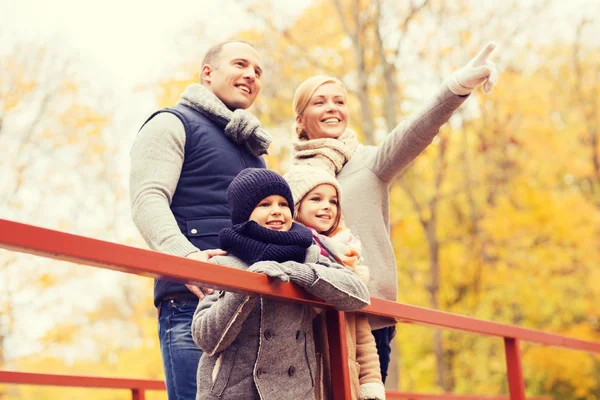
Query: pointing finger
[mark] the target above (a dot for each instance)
(481, 58)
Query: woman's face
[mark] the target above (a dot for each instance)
(326, 115)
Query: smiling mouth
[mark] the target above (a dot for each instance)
(275, 224)
(331, 121)
(244, 88)
(325, 217)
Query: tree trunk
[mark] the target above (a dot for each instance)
(357, 36)
(389, 76)
(433, 289)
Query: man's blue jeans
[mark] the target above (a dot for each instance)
(180, 354)
(383, 340)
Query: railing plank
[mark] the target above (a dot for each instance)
(452, 396)
(30, 378)
(82, 250)
(27, 378)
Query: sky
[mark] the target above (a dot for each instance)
(126, 42)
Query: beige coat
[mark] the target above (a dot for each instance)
(363, 360)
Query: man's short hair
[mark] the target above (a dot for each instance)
(212, 55)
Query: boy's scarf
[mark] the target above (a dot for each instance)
(240, 125)
(252, 243)
(328, 153)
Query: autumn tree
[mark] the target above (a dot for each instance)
(61, 169)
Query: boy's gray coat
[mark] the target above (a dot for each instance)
(263, 349)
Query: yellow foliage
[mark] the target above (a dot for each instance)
(515, 218)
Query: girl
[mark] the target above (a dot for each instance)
(317, 197)
(256, 348)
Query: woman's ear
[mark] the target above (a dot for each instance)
(300, 122)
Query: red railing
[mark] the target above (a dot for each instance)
(67, 247)
(451, 396)
(138, 387)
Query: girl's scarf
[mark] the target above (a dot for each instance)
(252, 243)
(240, 125)
(345, 249)
(328, 153)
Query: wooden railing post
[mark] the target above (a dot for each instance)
(138, 394)
(338, 351)
(516, 383)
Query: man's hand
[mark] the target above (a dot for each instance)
(479, 70)
(203, 256)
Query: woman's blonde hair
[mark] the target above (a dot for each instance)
(303, 94)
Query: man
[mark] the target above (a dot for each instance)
(182, 162)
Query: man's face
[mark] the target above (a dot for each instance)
(235, 77)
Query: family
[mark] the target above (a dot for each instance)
(200, 189)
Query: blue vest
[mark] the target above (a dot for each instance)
(211, 161)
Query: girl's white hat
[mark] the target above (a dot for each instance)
(304, 178)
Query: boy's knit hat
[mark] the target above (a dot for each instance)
(252, 185)
(304, 178)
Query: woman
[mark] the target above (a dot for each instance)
(366, 172)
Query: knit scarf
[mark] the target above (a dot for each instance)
(251, 243)
(240, 125)
(344, 248)
(330, 154)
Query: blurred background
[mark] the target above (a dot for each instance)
(499, 219)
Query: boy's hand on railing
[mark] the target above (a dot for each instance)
(272, 269)
(203, 256)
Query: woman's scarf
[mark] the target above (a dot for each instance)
(328, 153)
(240, 125)
(252, 243)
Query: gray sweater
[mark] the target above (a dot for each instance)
(156, 161)
(257, 348)
(365, 182)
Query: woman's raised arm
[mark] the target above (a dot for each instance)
(414, 134)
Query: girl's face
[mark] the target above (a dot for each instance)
(326, 115)
(319, 208)
(274, 213)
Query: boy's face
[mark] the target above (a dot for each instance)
(274, 213)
